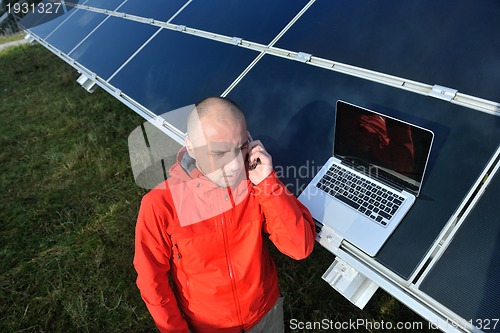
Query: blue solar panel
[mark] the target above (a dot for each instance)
(172, 71)
(473, 255)
(257, 20)
(43, 28)
(427, 41)
(104, 4)
(298, 132)
(156, 9)
(99, 53)
(74, 30)
(43, 16)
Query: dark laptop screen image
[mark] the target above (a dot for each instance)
(382, 147)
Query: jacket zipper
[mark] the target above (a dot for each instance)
(176, 252)
(230, 269)
(177, 255)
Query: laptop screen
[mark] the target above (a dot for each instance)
(390, 150)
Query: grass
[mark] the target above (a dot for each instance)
(68, 205)
(11, 37)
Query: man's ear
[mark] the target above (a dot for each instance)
(189, 146)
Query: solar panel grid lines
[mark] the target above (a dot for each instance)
(379, 77)
(477, 225)
(292, 22)
(45, 29)
(406, 84)
(99, 51)
(409, 85)
(90, 37)
(75, 29)
(57, 27)
(242, 75)
(257, 21)
(169, 68)
(477, 103)
(179, 11)
(251, 45)
(124, 98)
(179, 28)
(130, 16)
(264, 49)
(86, 37)
(133, 55)
(197, 32)
(459, 217)
(105, 4)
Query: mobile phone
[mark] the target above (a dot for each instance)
(252, 165)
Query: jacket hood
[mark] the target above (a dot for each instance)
(185, 168)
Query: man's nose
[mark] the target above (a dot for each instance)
(235, 163)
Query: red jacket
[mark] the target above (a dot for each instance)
(223, 277)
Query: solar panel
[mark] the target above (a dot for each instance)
(43, 28)
(98, 53)
(105, 4)
(156, 9)
(407, 40)
(473, 254)
(74, 30)
(166, 74)
(258, 21)
(46, 16)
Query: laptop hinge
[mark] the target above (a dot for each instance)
(329, 238)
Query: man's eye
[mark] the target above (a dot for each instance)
(218, 153)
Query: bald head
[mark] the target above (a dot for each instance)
(213, 109)
(217, 139)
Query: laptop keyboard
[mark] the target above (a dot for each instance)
(376, 202)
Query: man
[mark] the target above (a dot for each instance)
(204, 228)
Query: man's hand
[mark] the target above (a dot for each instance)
(260, 163)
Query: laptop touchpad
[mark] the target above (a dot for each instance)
(340, 217)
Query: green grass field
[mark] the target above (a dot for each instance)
(11, 38)
(68, 208)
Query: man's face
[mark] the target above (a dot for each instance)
(220, 151)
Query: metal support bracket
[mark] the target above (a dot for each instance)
(303, 57)
(181, 28)
(443, 93)
(87, 83)
(30, 38)
(329, 238)
(236, 41)
(353, 285)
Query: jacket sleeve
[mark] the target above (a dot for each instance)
(151, 261)
(288, 221)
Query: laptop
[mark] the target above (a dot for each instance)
(373, 178)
